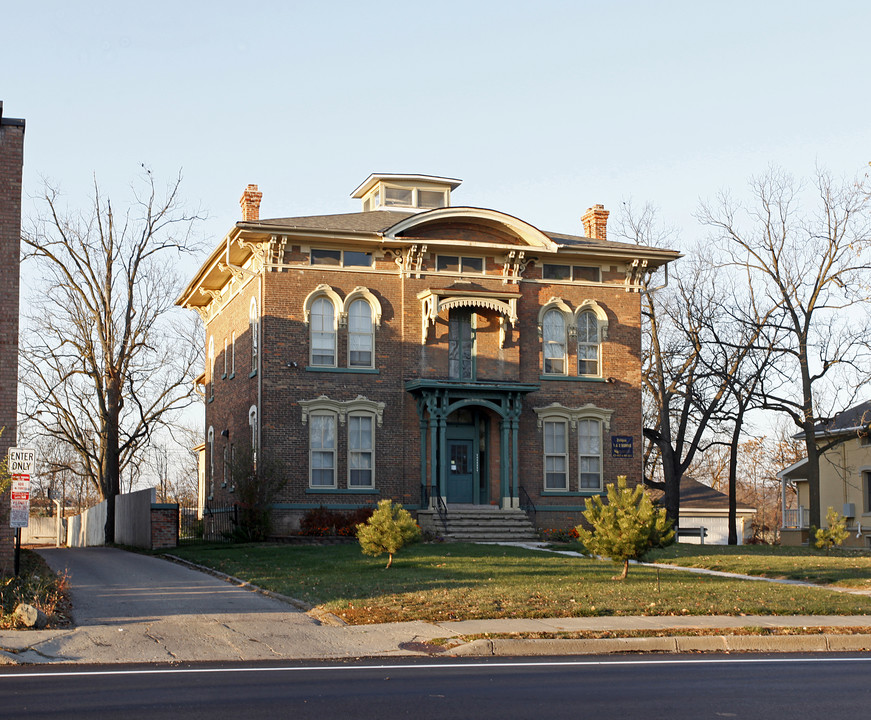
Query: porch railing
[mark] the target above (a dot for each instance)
(796, 517)
(426, 492)
(526, 504)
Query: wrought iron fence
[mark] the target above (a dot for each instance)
(207, 524)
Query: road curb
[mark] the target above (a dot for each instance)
(512, 647)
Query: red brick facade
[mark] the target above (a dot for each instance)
(483, 434)
(164, 527)
(11, 164)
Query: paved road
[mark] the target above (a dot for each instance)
(132, 608)
(672, 688)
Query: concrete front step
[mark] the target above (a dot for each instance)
(480, 525)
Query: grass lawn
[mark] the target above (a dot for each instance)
(847, 568)
(463, 581)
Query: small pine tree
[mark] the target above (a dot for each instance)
(834, 534)
(389, 529)
(627, 527)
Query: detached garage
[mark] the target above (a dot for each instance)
(702, 506)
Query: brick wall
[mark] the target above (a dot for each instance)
(11, 163)
(164, 526)
(286, 377)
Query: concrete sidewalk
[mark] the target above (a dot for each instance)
(135, 609)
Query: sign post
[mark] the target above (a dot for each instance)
(20, 464)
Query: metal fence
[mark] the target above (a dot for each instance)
(207, 524)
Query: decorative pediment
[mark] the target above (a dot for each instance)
(572, 415)
(342, 408)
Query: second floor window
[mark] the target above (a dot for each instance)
(588, 344)
(323, 333)
(361, 339)
(553, 332)
(461, 341)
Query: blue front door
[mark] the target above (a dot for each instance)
(461, 471)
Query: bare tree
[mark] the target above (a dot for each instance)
(814, 265)
(106, 360)
(693, 355)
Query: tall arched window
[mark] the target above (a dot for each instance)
(254, 328)
(210, 437)
(588, 344)
(323, 332)
(211, 388)
(361, 338)
(252, 421)
(553, 336)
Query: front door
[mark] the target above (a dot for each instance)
(461, 471)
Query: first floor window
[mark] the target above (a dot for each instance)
(360, 447)
(590, 454)
(556, 458)
(322, 444)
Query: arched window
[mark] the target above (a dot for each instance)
(553, 337)
(252, 421)
(211, 450)
(211, 368)
(323, 332)
(590, 454)
(588, 344)
(254, 328)
(361, 338)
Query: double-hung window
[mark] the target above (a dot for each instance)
(361, 339)
(323, 333)
(556, 455)
(588, 344)
(553, 331)
(322, 448)
(360, 451)
(590, 454)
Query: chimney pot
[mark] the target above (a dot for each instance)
(250, 202)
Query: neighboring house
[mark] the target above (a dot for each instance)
(845, 480)
(445, 357)
(702, 506)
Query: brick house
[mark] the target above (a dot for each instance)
(446, 357)
(11, 165)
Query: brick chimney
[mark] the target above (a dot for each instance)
(595, 222)
(250, 202)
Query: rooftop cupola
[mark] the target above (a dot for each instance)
(415, 193)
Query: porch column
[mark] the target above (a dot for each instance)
(515, 471)
(434, 454)
(503, 463)
(443, 453)
(423, 426)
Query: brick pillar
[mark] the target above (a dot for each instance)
(250, 202)
(596, 222)
(11, 164)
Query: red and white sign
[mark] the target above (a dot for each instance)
(20, 464)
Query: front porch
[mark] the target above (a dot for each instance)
(469, 442)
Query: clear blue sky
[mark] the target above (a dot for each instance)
(541, 108)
